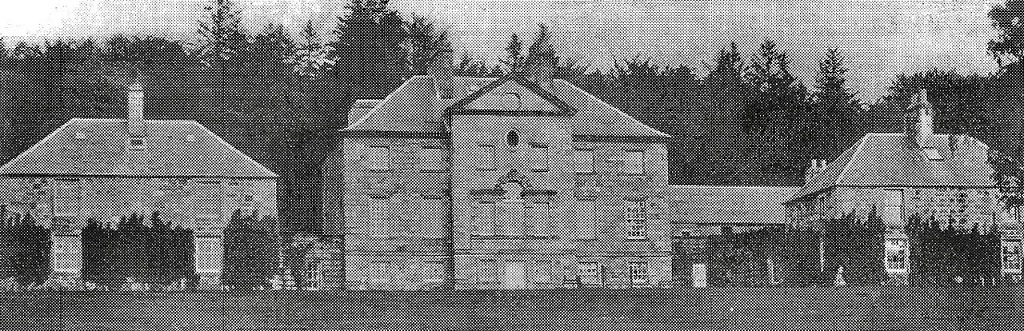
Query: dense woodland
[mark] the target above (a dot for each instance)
(282, 98)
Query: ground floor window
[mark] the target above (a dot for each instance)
(207, 254)
(1011, 255)
(65, 254)
(638, 275)
(896, 257)
(433, 272)
(589, 274)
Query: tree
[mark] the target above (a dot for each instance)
(423, 40)
(515, 54)
(249, 253)
(1009, 44)
(828, 129)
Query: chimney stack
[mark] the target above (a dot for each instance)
(816, 167)
(442, 70)
(136, 107)
(924, 128)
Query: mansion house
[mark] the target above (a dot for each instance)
(516, 182)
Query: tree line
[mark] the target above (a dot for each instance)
(937, 255)
(281, 98)
(134, 251)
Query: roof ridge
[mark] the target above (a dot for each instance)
(3, 169)
(379, 104)
(232, 148)
(846, 167)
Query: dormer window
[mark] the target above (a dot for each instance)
(136, 144)
(932, 154)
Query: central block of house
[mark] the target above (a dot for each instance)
(517, 182)
(110, 169)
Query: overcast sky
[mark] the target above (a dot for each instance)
(880, 38)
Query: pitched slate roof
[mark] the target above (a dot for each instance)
(414, 108)
(891, 160)
(99, 147)
(727, 205)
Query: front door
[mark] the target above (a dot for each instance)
(515, 275)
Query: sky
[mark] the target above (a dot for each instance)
(879, 38)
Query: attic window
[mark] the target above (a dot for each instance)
(933, 154)
(137, 143)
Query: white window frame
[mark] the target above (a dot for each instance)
(378, 158)
(67, 195)
(212, 256)
(377, 211)
(896, 244)
(63, 261)
(892, 210)
(539, 157)
(636, 221)
(639, 274)
(633, 162)
(589, 273)
(432, 159)
(584, 160)
(1010, 255)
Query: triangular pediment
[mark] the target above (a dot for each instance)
(512, 95)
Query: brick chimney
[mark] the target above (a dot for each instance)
(817, 166)
(924, 127)
(442, 70)
(136, 107)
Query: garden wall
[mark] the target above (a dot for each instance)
(652, 309)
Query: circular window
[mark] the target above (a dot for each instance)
(513, 138)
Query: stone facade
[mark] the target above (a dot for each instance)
(508, 194)
(110, 169)
(898, 176)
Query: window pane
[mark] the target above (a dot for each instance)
(634, 162)
(378, 214)
(1012, 255)
(589, 273)
(896, 254)
(636, 219)
(638, 273)
(583, 160)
